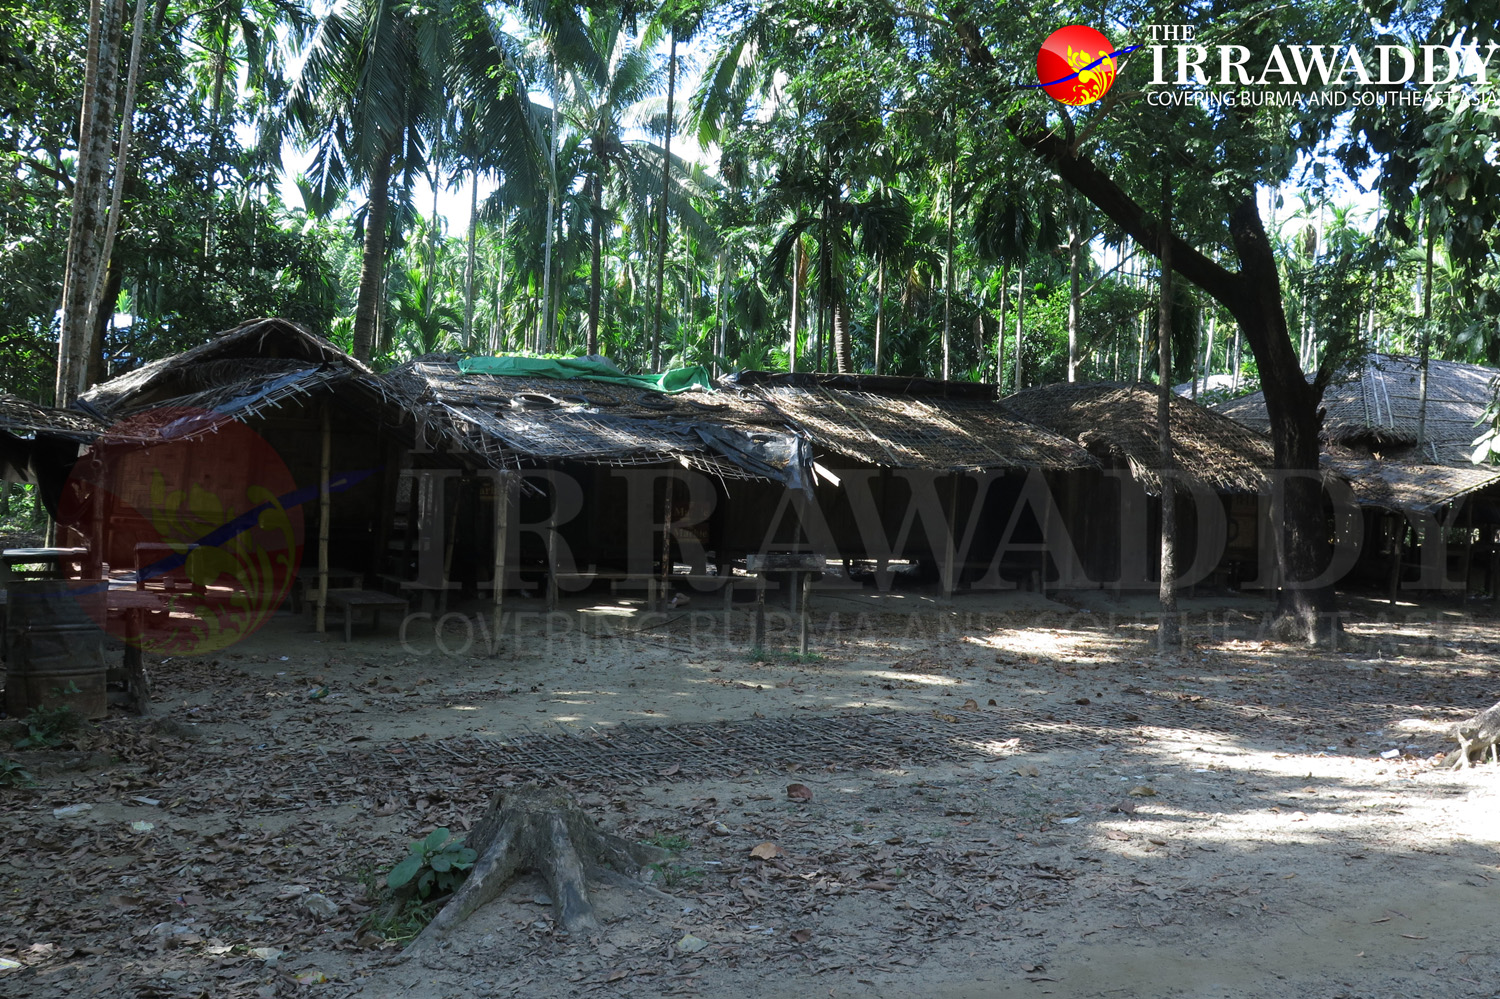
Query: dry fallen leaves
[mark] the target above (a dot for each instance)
(766, 851)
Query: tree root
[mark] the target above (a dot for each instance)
(1476, 737)
(541, 830)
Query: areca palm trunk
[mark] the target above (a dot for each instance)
(661, 220)
(797, 268)
(948, 278)
(596, 251)
(879, 307)
(544, 336)
(1075, 247)
(842, 349)
(1020, 321)
(372, 264)
(469, 265)
(1000, 332)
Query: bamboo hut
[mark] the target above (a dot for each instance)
(1407, 463)
(324, 416)
(1215, 460)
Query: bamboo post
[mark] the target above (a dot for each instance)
(758, 626)
(323, 504)
(666, 542)
(1468, 546)
(552, 540)
(950, 543)
(1398, 543)
(802, 637)
(502, 517)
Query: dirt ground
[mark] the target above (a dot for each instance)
(1010, 796)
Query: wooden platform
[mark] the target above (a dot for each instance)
(351, 602)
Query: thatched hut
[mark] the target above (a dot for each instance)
(925, 471)
(818, 463)
(1213, 457)
(1408, 465)
(323, 414)
(619, 460)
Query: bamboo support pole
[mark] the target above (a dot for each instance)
(324, 466)
(502, 517)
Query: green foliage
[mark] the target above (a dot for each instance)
(678, 875)
(437, 861)
(1487, 444)
(12, 774)
(669, 841)
(47, 727)
(400, 921)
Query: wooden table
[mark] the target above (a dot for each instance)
(351, 601)
(800, 567)
(149, 553)
(58, 563)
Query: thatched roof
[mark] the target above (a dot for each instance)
(513, 420)
(1117, 422)
(260, 357)
(26, 419)
(1401, 485)
(240, 373)
(910, 422)
(1375, 404)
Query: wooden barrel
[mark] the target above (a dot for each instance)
(55, 647)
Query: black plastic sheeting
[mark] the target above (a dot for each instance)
(780, 457)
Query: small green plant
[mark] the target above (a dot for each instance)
(678, 875)
(402, 922)
(669, 841)
(12, 774)
(437, 861)
(47, 727)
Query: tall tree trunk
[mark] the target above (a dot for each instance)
(215, 150)
(842, 349)
(101, 67)
(1000, 332)
(1168, 635)
(372, 263)
(114, 276)
(596, 250)
(948, 269)
(723, 348)
(544, 336)
(1426, 340)
(469, 264)
(1020, 321)
(798, 270)
(661, 217)
(102, 302)
(500, 340)
(1208, 351)
(1075, 295)
(879, 306)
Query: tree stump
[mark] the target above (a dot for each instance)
(541, 830)
(1476, 737)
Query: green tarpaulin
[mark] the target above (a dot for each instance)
(675, 380)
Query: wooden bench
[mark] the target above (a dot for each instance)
(351, 602)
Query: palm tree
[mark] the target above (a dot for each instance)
(600, 111)
(374, 97)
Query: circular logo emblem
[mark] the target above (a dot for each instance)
(199, 521)
(1076, 65)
